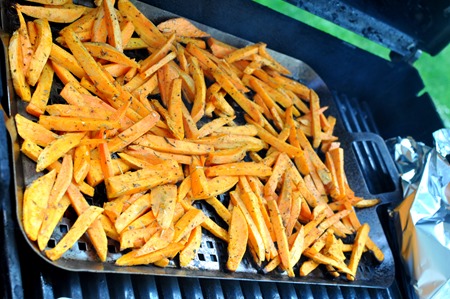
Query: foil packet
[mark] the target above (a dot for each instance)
(422, 220)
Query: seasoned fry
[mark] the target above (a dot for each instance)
(76, 231)
(56, 149)
(238, 232)
(53, 14)
(193, 244)
(15, 56)
(35, 201)
(41, 52)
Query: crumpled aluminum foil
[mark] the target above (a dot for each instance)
(422, 219)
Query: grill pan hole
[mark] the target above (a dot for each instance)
(63, 228)
(112, 249)
(51, 243)
(82, 246)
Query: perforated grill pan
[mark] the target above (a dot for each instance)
(211, 258)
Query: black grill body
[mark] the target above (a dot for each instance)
(373, 96)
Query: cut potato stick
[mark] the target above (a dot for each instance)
(95, 232)
(173, 146)
(215, 229)
(53, 14)
(131, 259)
(112, 24)
(163, 201)
(67, 60)
(56, 149)
(15, 56)
(110, 53)
(238, 236)
(35, 201)
(81, 159)
(360, 243)
(187, 223)
(192, 246)
(238, 169)
(282, 243)
(175, 110)
(76, 124)
(227, 155)
(77, 111)
(153, 156)
(198, 107)
(54, 208)
(137, 209)
(76, 231)
(134, 132)
(33, 131)
(41, 52)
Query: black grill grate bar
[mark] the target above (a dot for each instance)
(145, 287)
(120, 286)
(95, 285)
(357, 118)
(168, 287)
(251, 289)
(190, 287)
(212, 289)
(356, 115)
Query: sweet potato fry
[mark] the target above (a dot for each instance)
(42, 51)
(76, 231)
(255, 239)
(57, 148)
(141, 180)
(41, 94)
(215, 229)
(131, 259)
(137, 208)
(76, 124)
(199, 183)
(34, 132)
(163, 201)
(112, 24)
(187, 223)
(110, 53)
(134, 132)
(175, 110)
(227, 155)
(143, 26)
(56, 205)
(239, 168)
(282, 243)
(198, 107)
(360, 243)
(15, 56)
(238, 236)
(64, 58)
(192, 246)
(53, 14)
(219, 185)
(35, 201)
(173, 146)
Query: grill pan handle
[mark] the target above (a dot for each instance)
(371, 157)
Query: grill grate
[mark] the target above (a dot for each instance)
(357, 118)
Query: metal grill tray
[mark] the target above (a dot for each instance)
(211, 258)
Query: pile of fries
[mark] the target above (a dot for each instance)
(189, 119)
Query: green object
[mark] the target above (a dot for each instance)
(435, 71)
